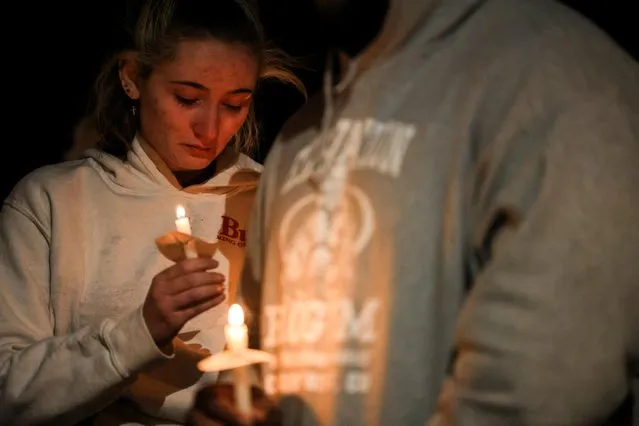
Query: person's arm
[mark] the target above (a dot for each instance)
(49, 379)
(550, 331)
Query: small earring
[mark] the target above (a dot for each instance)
(133, 109)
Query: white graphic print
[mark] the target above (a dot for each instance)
(319, 239)
(379, 146)
(324, 327)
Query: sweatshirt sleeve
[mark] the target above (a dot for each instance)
(550, 331)
(45, 378)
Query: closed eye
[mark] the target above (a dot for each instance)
(186, 101)
(234, 108)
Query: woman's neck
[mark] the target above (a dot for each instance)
(195, 177)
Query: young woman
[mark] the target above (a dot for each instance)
(93, 319)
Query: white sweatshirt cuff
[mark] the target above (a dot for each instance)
(131, 344)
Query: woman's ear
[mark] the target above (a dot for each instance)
(128, 71)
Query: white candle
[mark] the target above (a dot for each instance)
(182, 222)
(184, 226)
(237, 340)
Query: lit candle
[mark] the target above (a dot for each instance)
(184, 226)
(237, 341)
(182, 222)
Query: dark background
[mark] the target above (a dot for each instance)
(53, 51)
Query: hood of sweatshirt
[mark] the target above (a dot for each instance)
(145, 173)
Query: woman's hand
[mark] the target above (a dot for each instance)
(180, 293)
(215, 406)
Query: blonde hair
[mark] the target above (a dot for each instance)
(161, 25)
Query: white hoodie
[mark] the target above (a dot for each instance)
(77, 256)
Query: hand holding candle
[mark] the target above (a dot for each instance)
(238, 357)
(237, 340)
(184, 226)
(178, 294)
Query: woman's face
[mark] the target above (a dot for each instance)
(191, 107)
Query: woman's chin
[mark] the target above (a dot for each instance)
(193, 164)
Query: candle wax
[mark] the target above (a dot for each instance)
(183, 225)
(236, 334)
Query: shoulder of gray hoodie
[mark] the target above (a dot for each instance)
(549, 334)
(532, 113)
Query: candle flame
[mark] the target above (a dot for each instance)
(180, 212)
(236, 315)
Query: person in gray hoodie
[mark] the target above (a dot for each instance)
(450, 234)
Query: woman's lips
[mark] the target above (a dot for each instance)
(198, 150)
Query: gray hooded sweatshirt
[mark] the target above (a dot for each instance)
(457, 241)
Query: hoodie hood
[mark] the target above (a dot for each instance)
(411, 22)
(385, 71)
(144, 172)
(412, 29)
(403, 18)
